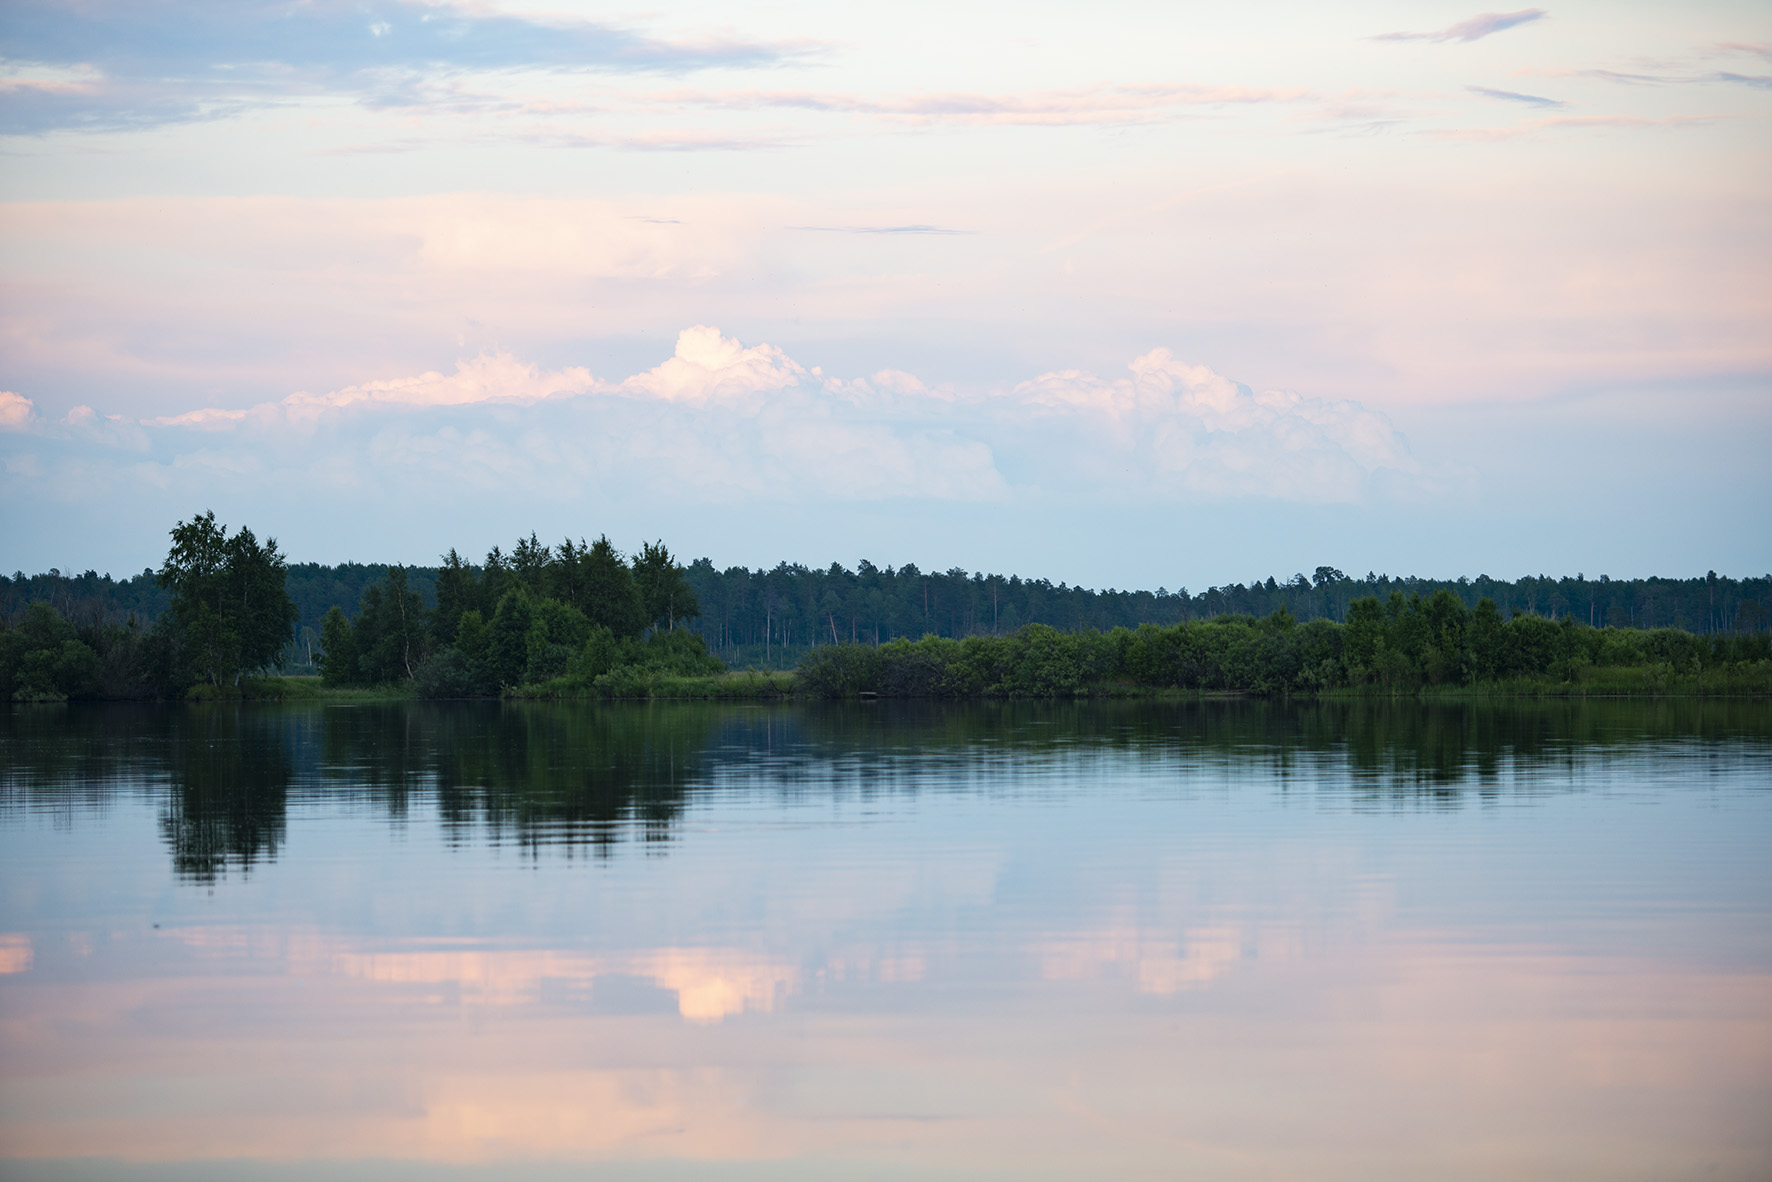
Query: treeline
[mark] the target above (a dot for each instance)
(751, 616)
(1402, 643)
(582, 618)
(769, 618)
(226, 615)
(547, 620)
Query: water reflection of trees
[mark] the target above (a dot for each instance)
(228, 772)
(1403, 745)
(590, 775)
(535, 773)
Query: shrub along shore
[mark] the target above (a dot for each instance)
(582, 621)
(1433, 646)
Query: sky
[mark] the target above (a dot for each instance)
(1114, 294)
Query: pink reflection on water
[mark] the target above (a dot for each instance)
(1222, 1050)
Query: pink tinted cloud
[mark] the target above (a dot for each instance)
(1080, 105)
(1474, 29)
(16, 411)
(1575, 123)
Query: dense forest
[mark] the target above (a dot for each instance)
(581, 618)
(1400, 644)
(770, 618)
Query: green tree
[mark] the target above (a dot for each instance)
(507, 647)
(600, 585)
(44, 658)
(264, 616)
(338, 650)
(530, 561)
(557, 632)
(1365, 637)
(1445, 617)
(1488, 644)
(457, 592)
(472, 637)
(665, 593)
(390, 631)
(229, 599)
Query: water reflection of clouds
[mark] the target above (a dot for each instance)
(1164, 957)
(15, 952)
(1158, 963)
(1404, 1057)
(710, 984)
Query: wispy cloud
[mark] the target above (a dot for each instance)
(1077, 105)
(1556, 123)
(1629, 78)
(1474, 29)
(156, 61)
(1759, 81)
(913, 229)
(557, 136)
(1511, 96)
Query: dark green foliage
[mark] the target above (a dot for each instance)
(529, 565)
(557, 632)
(507, 651)
(386, 644)
(772, 617)
(600, 653)
(338, 656)
(596, 581)
(229, 604)
(574, 617)
(611, 668)
(457, 592)
(452, 673)
(390, 631)
(44, 658)
(665, 594)
(1401, 645)
(473, 637)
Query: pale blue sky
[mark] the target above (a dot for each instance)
(1487, 296)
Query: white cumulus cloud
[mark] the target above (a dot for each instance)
(1173, 425)
(488, 378)
(707, 365)
(15, 411)
(723, 423)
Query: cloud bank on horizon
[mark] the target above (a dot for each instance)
(944, 246)
(720, 421)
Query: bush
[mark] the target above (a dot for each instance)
(452, 673)
(44, 659)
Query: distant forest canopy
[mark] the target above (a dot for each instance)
(583, 619)
(771, 617)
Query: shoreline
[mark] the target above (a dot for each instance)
(758, 686)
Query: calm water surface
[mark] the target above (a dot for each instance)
(1200, 940)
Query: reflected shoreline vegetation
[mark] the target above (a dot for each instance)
(580, 775)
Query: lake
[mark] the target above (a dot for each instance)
(1212, 940)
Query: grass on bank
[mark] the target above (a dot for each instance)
(1739, 679)
(299, 689)
(651, 685)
